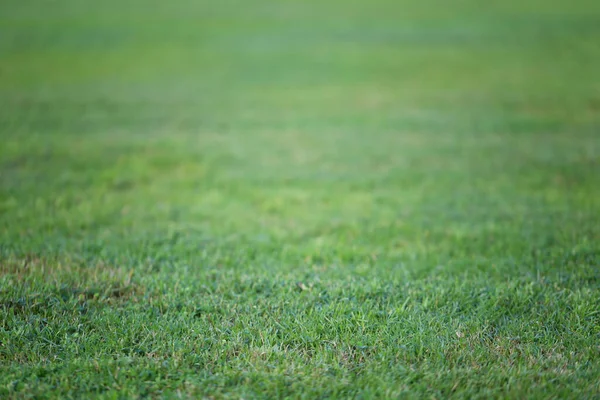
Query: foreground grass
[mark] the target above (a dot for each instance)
(303, 200)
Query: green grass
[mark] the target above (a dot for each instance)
(299, 199)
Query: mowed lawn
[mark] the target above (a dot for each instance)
(304, 199)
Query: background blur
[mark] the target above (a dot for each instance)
(336, 130)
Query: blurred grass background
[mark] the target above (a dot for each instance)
(217, 118)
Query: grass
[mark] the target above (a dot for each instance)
(299, 199)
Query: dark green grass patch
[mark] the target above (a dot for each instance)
(299, 199)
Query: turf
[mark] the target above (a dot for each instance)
(332, 199)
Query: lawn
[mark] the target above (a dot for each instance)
(302, 199)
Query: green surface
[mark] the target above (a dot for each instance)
(298, 198)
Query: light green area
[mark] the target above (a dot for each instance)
(303, 199)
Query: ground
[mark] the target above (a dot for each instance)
(302, 199)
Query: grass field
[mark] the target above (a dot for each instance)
(305, 199)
